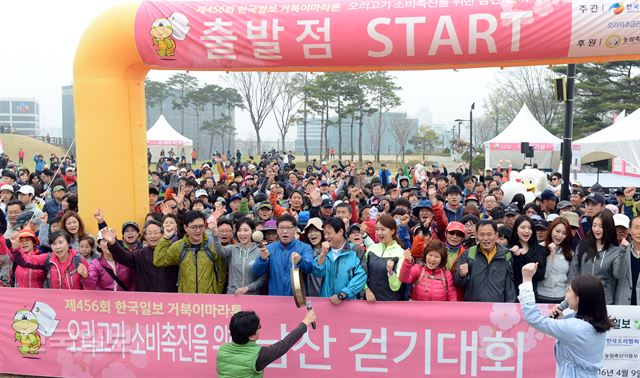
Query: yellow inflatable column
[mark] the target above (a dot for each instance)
(109, 105)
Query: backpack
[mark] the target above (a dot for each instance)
(207, 251)
(75, 260)
(507, 257)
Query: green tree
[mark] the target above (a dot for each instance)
(231, 99)
(154, 93)
(424, 140)
(214, 95)
(385, 97)
(181, 84)
(197, 99)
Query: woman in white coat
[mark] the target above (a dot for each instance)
(580, 336)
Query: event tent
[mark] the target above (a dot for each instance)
(523, 128)
(622, 139)
(161, 136)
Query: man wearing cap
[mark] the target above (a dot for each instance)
(130, 234)
(26, 195)
(6, 195)
(593, 205)
(621, 222)
(548, 205)
(511, 212)
(564, 206)
(54, 206)
(264, 211)
(540, 227)
(427, 211)
(326, 209)
(69, 176)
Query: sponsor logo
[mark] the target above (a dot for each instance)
(616, 8)
(613, 41)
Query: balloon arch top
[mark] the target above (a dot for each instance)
(125, 42)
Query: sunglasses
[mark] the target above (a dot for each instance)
(456, 233)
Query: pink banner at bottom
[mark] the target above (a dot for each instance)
(107, 334)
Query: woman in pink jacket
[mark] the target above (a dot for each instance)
(430, 281)
(63, 268)
(26, 277)
(103, 270)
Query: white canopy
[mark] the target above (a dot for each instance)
(523, 128)
(622, 139)
(161, 136)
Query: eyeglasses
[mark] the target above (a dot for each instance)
(456, 233)
(287, 229)
(196, 227)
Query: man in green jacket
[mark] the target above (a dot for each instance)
(242, 357)
(200, 268)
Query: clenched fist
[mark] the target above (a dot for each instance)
(464, 270)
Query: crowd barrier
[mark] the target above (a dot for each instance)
(74, 333)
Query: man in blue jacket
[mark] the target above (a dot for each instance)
(276, 257)
(339, 265)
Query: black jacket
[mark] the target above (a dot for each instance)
(148, 276)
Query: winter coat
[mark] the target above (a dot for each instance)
(344, 274)
(62, 274)
(148, 276)
(608, 265)
(454, 215)
(26, 277)
(99, 278)
(278, 265)
(240, 261)
(384, 286)
(428, 284)
(487, 281)
(197, 272)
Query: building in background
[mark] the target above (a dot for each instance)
(388, 143)
(68, 117)
(20, 116)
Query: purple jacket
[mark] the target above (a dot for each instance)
(99, 278)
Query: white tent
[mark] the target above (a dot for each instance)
(161, 136)
(622, 139)
(523, 128)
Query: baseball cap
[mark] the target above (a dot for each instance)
(6, 187)
(265, 204)
(315, 222)
(456, 226)
(172, 168)
(595, 197)
(303, 218)
(564, 205)
(547, 194)
(543, 224)
(471, 197)
(621, 220)
(511, 210)
(27, 189)
(69, 169)
(59, 187)
(326, 203)
(576, 183)
(572, 218)
(354, 227)
(234, 197)
(552, 217)
(23, 218)
(221, 200)
(596, 188)
(324, 162)
(201, 192)
(324, 183)
(619, 192)
(133, 224)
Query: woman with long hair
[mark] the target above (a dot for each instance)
(384, 260)
(580, 336)
(73, 225)
(598, 254)
(559, 251)
(525, 249)
(429, 279)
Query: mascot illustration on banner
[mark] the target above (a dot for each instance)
(30, 325)
(165, 31)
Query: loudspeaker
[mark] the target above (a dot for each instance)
(529, 153)
(524, 147)
(560, 89)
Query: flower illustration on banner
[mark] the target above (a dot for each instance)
(505, 315)
(531, 338)
(118, 370)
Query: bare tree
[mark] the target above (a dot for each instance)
(401, 128)
(532, 86)
(259, 91)
(287, 105)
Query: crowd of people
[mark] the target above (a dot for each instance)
(355, 232)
